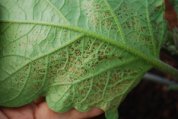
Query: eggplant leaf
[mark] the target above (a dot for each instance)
(77, 53)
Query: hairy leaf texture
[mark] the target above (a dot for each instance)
(77, 53)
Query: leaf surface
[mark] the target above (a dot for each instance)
(78, 53)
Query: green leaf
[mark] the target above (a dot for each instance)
(77, 53)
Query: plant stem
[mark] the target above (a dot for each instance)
(165, 68)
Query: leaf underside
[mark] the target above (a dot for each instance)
(77, 53)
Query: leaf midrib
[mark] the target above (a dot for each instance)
(152, 60)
